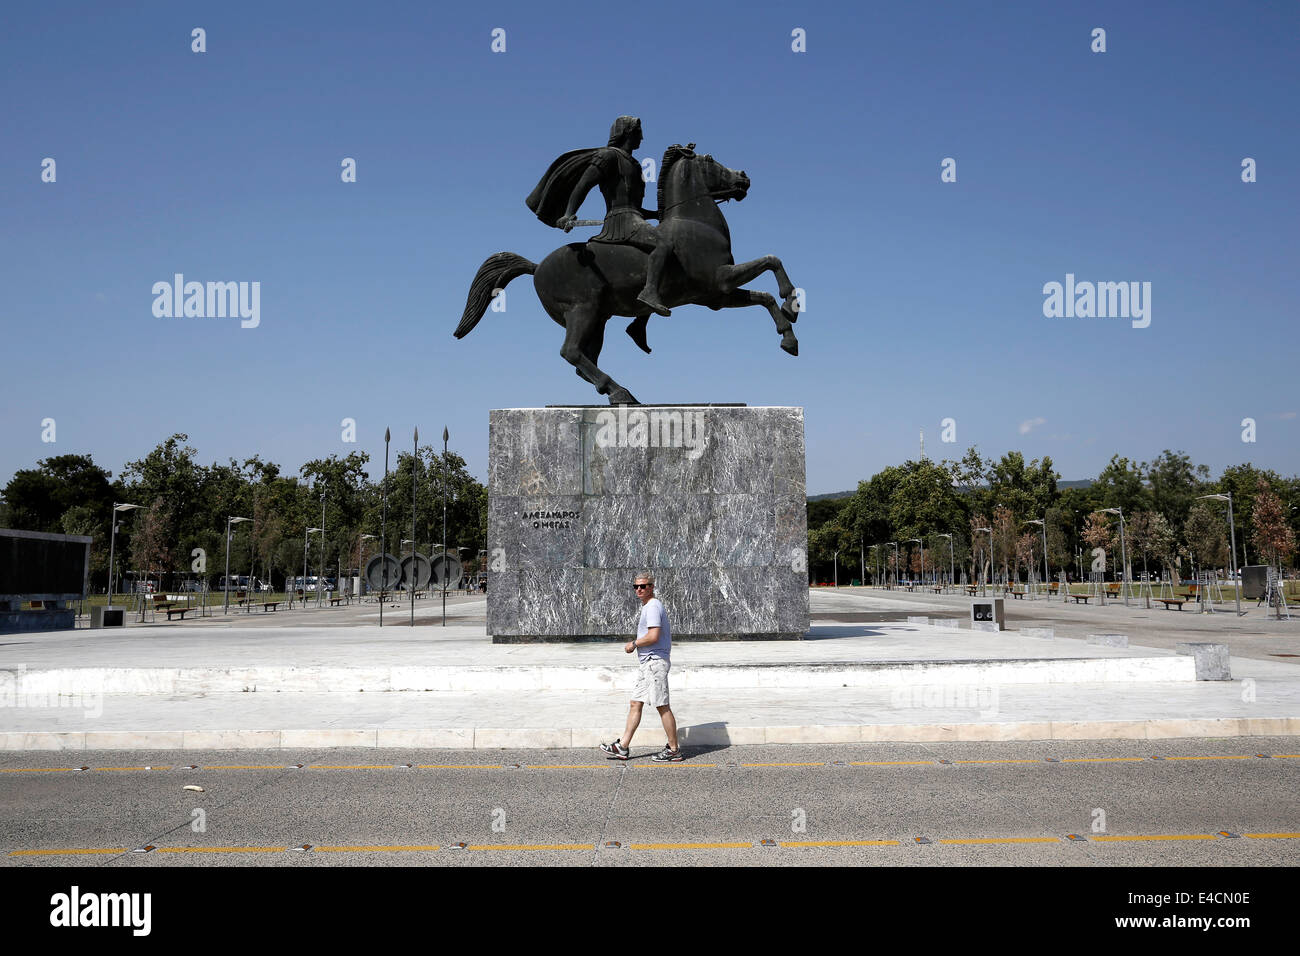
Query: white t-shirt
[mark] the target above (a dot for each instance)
(654, 615)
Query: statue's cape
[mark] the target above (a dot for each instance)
(551, 196)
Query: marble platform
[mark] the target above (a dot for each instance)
(708, 498)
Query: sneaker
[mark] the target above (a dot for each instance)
(616, 750)
(667, 754)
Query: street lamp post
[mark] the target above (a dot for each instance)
(307, 532)
(1232, 530)
(922, 544)
(415, 464)
(837, 569)
(445, 436)
(383, 533)
(112, 543)
(990, 531)
(226, 584)
(894, 545)
(1042, 523)
(361, 567)
(320, 582)
(952, 561)
(1123, 552)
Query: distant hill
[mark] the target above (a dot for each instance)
(836, 495)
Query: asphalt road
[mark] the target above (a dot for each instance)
(1204, 803)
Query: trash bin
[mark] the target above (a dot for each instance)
(101, 616)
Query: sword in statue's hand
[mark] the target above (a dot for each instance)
(568, 222)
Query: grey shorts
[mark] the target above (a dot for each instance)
(652, 682)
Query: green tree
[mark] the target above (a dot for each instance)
(38, 498)
(1271, 534)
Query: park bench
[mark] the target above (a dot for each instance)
(336, 601)
(1054, 587)
(1168, 601)
(1080, 597)
(971, 589)
(270, 606)
(175, 609)
(1112, 590)
(1020, 595)
(937, 588)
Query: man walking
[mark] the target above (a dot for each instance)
(653, 644)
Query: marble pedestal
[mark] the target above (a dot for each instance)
(708, 498)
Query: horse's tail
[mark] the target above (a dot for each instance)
(495, 273)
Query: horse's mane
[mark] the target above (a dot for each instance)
(671, 155)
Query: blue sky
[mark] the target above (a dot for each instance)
(924, 299)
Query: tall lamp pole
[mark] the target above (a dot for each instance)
(226, 583)
(112, 543)
(1042, 523)
(383, 534)
(1123, 551)
(952, 561)
(361, 568)
(1232, 530)
(990, 531)
(445, 436)
(320, 582)
(415, 464)
(922, 544)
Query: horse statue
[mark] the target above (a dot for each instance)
(581, 285)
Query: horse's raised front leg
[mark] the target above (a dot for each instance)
(730, 278)
(741, 298)
(584, 335)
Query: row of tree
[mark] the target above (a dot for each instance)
(1165, 528)
(179, 531)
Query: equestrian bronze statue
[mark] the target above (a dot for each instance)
(632, 268)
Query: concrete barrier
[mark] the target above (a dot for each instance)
(1043, 633)
(1212, 662)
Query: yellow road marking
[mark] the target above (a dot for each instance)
(1272, 836)
(997, 761)
(689, 846)
(843, 843)
(63, 852)
(666, 763)
(566, 766)
(1101, 759)
(819, 763)
(243, 766)
(1284, 756)
(976, 840)
(1162, 836)
(220, 849)
(38, 769)
(130, 768)
(889, 763)
(376, 849)
(1227, 757)
(532, 846)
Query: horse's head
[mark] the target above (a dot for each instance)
(701, 174)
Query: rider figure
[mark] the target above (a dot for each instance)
(618, 174)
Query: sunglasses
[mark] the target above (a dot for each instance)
(642, 586)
